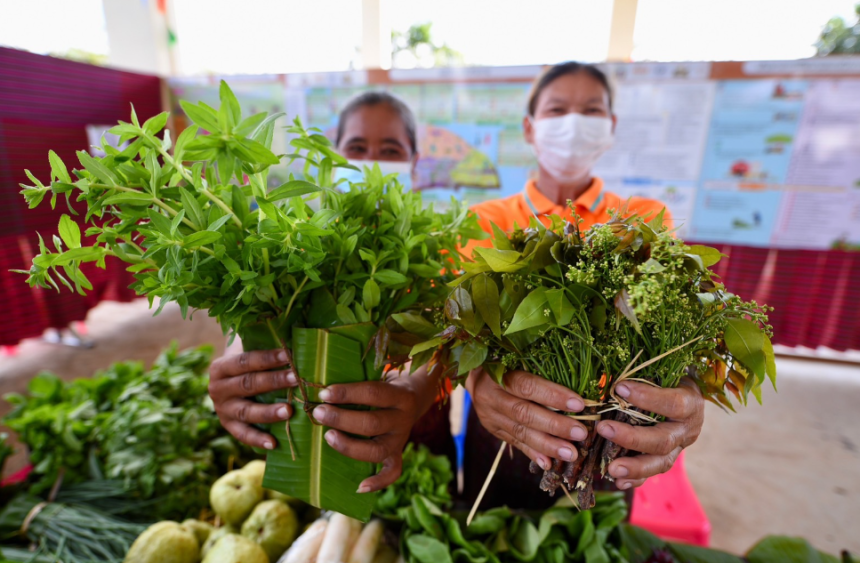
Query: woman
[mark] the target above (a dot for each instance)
(375, 126)
(569, 125)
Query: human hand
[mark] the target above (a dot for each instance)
(517, 414)
(235, 378)
(397, 406)
(660, 444)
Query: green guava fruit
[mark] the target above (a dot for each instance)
(164, 542)
(234, 548)
(234, 496)
(273, 525)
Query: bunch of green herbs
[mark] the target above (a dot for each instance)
(586, 310)
(153, 434)
(423, 474)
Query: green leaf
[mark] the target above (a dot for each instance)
(156, 123)
(696, 554)
(560, 306)
(249, 124)
(201, 238)
(70, 232)
(370, 294)
(320, 475)
(770, 360)
(652, 266)
(229, 99)
(202, 115)
(786, 550)
(345, 314)
(192, 208)
(530, 313)
(745, 341)
(58, 168)
(390, 277)
(427, 345)
(473, 355)
(416, 324)
(708, 255)
(485, 296)
(426, 549)
(129, 198)
(500, 239)
(501, 260)
(292, 188)
(254, 152)
(96, 168)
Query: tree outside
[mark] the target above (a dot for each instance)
(840, 37)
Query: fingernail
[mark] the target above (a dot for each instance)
(325, 395)
(575, 405)
(319, 413)
(269, 445)
(544, 464)
(565, 454)
(363, 489)
(282, 356)
(291, 378)
(578, 433)
(619, 472)
(625, 486)
(623, 391)
(330, 437)
(283, 413)
(606, 430)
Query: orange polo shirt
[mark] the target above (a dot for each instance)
(592, 205)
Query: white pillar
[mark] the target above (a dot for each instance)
(621, 30)
(138, 36)
(375, 34)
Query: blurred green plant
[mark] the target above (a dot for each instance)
(840, 38)
(417, 42)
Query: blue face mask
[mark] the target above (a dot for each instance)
(402, 169)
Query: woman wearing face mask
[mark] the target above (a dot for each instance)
(374, 127)
(569, 125)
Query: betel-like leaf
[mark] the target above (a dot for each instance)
(416, 324)
(502, 260)
(745, 340)
(319, 475)
(500, 239)
(473, 355)
(531, 312)
(560, 306)
(709, 256)
(485, 295)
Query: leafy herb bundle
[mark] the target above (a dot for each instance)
(155, 432)
(588, 310)
(320, 281)
(423, 474)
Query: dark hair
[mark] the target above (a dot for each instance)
(375, 98)
(559, 70)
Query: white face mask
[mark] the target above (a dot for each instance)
(402, 169)
(567, 147)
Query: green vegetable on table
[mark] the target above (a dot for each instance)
(130, 439)
(315, 267)
(423, 474)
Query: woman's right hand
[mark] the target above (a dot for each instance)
(517, 414)
(234, 378)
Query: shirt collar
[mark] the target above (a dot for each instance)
(591, 199)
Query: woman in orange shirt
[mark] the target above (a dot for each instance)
(569, 125)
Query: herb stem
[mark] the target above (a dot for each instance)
(293, 298)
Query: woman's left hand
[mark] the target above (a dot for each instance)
(660, 444)
(398, 402)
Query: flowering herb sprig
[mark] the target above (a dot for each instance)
(584, 310)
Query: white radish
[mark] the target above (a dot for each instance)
(385, 555)
(366, 544)
(307, 545)
(342, 531)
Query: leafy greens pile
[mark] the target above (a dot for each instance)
(586, 310)
(154, 432)
(310, 266)
(423, 474)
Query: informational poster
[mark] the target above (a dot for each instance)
(661, 132)
(763, 153)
